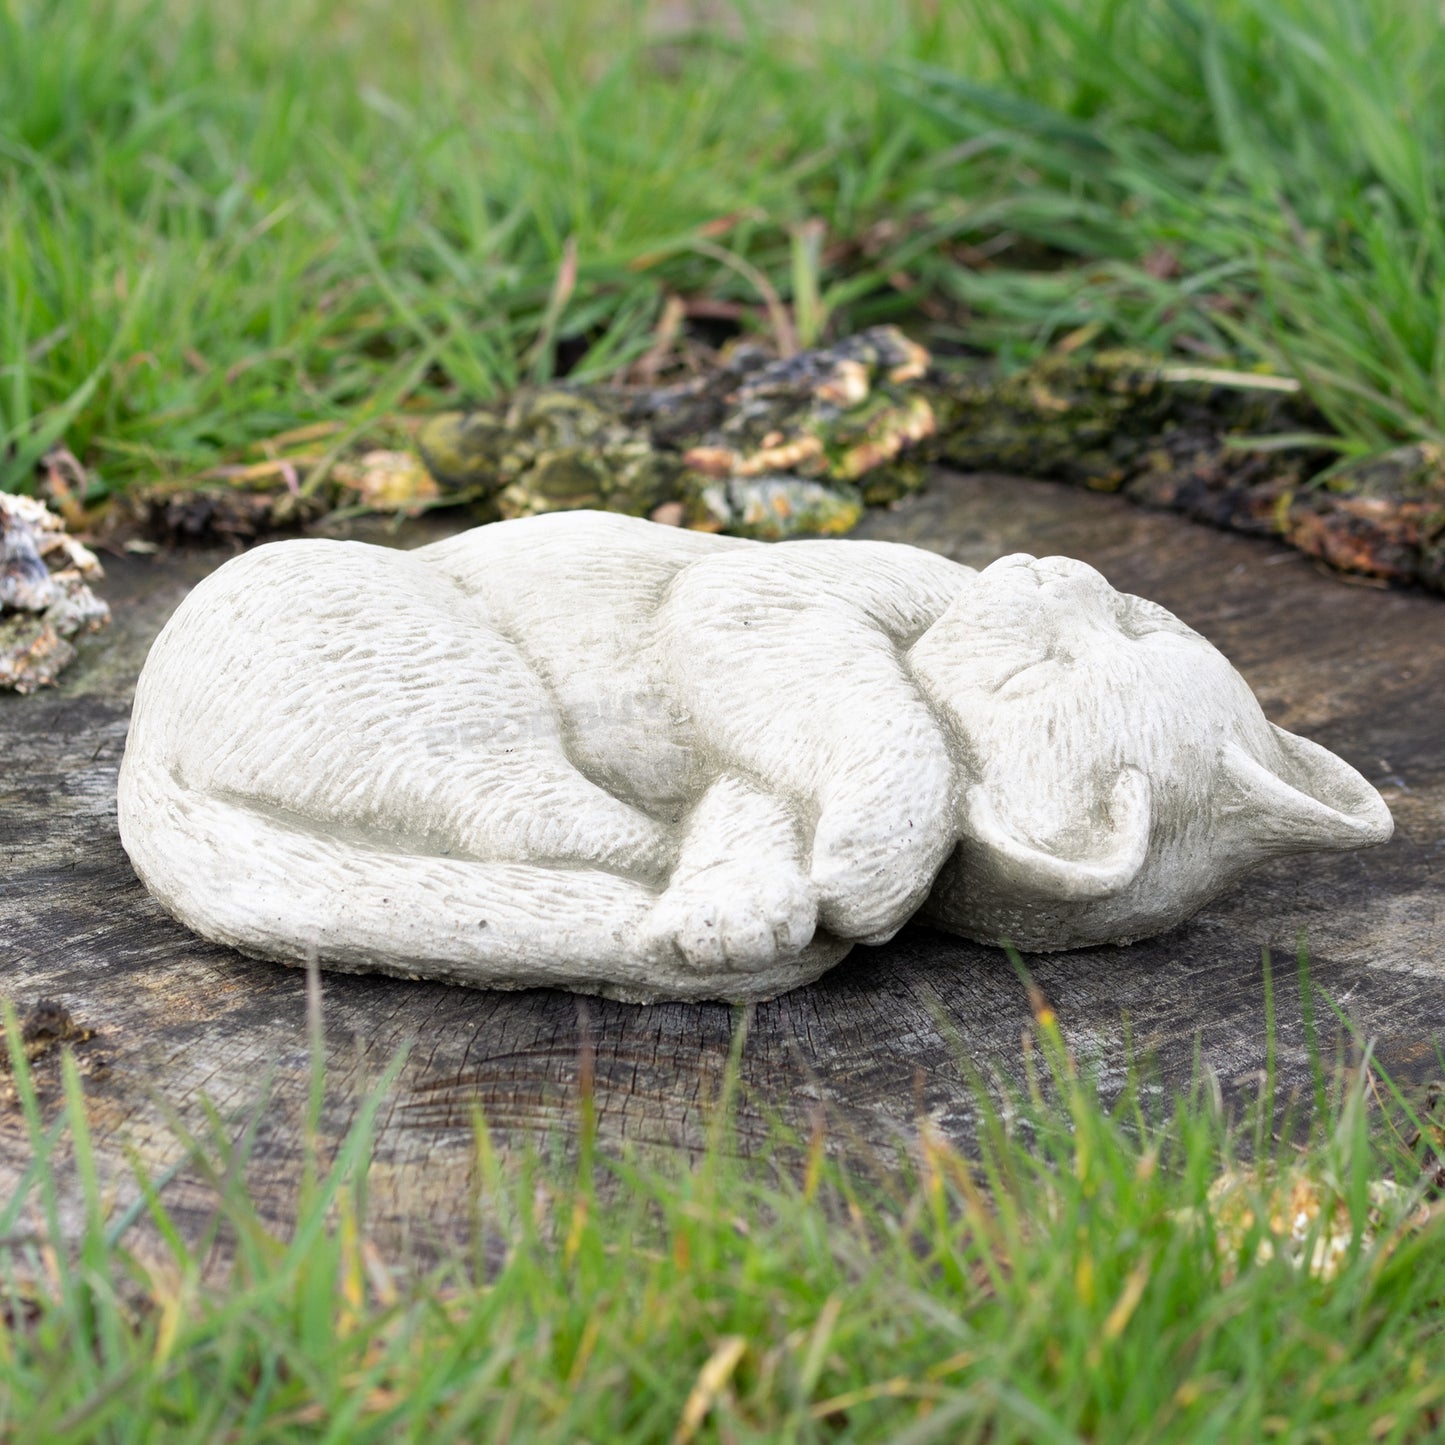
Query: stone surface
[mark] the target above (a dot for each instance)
(882, 1038)
(590, 751)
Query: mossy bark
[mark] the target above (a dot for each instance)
(773, 449)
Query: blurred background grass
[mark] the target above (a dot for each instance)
(218, 223)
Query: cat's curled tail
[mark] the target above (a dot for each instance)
(268, 885)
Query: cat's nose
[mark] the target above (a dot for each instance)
(1076, 588)
(1062, 583)
(1067, 569)
(1015, 564)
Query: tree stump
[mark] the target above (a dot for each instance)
(891, 1034)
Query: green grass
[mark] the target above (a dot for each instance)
(218, 223)
(1073, 1282)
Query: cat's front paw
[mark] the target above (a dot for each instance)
(873, 870)
(733, 917)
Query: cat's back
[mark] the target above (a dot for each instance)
(303, 629)
(531, 570)
(280, 607)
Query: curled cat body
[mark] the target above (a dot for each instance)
(584, 750)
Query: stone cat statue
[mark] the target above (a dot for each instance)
(585, 750)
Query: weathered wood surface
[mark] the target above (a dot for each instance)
(176, 1020)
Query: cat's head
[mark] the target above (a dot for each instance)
(1116, 772)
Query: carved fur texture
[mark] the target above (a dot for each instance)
(588, 751)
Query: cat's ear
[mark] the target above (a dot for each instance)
(1106, 864)
(1319, 800)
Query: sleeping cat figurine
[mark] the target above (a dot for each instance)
(589, 751)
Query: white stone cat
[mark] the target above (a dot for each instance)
(585, 750)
